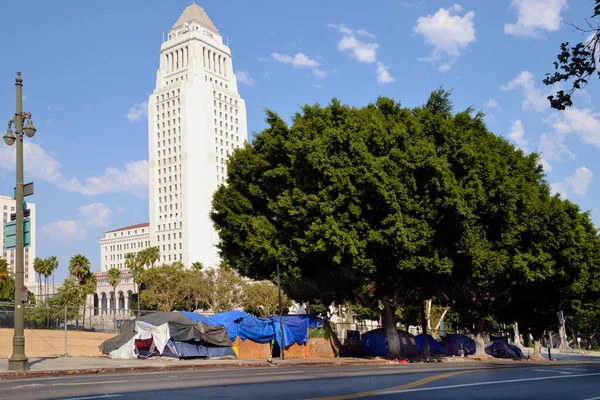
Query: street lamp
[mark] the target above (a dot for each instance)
(18, 361)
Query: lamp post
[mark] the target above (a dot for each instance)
(18, 361)
(280, 314)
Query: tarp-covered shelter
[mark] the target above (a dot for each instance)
(459, 344)
(172, 334)
(500, 348)
(262, 330)
(435, 348)
(374, 343)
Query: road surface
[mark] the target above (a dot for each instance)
(574, 381)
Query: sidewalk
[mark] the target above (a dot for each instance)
(40, 367)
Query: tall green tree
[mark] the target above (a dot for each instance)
(577, 64)
(135, 263)
(7, 281)
(79, 267)
(165, 287)
(262, 299)
(39, 266)
(343, 200)
(114, 279)
(53, 263)
(153, 255)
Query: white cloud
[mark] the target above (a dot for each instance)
(552, 148)
(318, 86)
(492, 104)
(536, 16)
(576, 184)
(64, 230)
(362, 51)
(137, 112)
(41, 165)
(54, 108)
(132, 179)
(517, 135)
(300, 60)
(534, 98)
(244, 77)
(383, 75)
(448, 33)
(583, 122)
(319, 73)
(95, 214)
(546, 165)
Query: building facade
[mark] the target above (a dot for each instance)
(116, 243)
(7, 207)
(196, 118)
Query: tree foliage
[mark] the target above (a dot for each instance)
(262, 299)
(577, 64)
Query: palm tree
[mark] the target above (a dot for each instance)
(135, 266)
(53, 262)
(153, 255)
(39, 266)
(7, 282)
(47, 271)
(79, 267)
(197, 266)
(114, 278)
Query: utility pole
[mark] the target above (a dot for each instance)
(18, 361)
(280, 313)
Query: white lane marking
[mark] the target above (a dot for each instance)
(577, 369)
(553, 370)
(24, 386)
(26, 380)
(104, 396)
(593, 398)
(86, 383)
(544, 378)
(276, 373)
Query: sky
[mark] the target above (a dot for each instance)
(89, 66)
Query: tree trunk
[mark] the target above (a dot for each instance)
(517, 336)
(562, 331)
(425, 323)
(389, 323)
(479, 343)
(428, 313)
(537, 347)
(138, 299)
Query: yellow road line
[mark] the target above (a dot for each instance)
(427, 380)
(396, 388)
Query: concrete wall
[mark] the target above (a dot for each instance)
(50, 343)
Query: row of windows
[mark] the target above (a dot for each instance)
(221, 106)
(160, 199)
(168, 95)
(177, 59)
(164, 152)
(164, 188)
(168, 103)
(176, 80)
(170, 208)
(168, 160)
(170, 179)
(174, 226)
(126, 246)
(11, 209)
(168, 236)
(223, 97)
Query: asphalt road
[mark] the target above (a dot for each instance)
(440, 381)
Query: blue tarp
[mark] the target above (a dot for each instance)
(261, 330)
(434, 346)
(199, 318)
(374, 343)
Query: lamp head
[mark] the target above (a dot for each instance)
(9, 138)
(29, 129)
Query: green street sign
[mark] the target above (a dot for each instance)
(10, 234)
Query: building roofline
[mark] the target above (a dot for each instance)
(142, 225)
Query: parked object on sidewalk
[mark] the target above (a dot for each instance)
(459, 345)
(374, 343)
(435, 348)
(169, 334)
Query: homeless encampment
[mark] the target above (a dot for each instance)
(303, 335)
(170, 334)
(459, 345)
(374, 343)
(500, 348)
(435, 348)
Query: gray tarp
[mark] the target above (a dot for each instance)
(124, 336)
(159, 318)
(215, 335)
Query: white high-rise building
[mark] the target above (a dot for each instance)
(196, 118)
(7, 207)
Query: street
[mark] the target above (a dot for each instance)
(577, 381)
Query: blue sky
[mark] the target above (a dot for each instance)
(89, 66)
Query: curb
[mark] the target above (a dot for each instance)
(191, 367)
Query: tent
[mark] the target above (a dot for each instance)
(171, 334)
(459, 345)
(374, 343)
(500, 348)
(434, 346)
